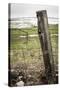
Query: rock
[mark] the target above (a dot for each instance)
(20, 77)
(12, 70)
(29, 76)
(20, 83)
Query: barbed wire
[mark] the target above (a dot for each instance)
(13, 19)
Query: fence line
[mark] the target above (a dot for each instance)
(30, 18)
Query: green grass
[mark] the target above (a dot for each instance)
(18, 43)
(26, 49)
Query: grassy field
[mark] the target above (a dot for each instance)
(26, 52)
(31, 44)
(17, 42)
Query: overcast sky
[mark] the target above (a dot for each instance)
(29, 10)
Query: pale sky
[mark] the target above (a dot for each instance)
(29, 10)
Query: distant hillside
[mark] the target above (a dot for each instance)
(28, 23)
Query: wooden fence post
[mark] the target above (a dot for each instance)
(46, 45)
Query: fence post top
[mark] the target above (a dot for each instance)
(40, 13)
